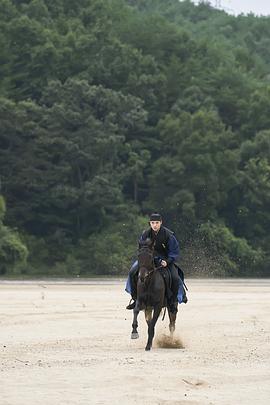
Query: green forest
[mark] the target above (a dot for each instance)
(113, 109)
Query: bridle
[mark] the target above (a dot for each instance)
(148, 252)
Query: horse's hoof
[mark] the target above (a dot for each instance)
(147, 348)
(134, 335)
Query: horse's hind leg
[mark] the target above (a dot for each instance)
(134, 333)
(172, 318)
(151, 328)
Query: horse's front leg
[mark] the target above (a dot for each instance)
(136, 310)
(148, 314)
(151, 327)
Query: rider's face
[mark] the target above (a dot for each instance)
(155, 225)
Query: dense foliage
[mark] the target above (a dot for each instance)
(111, 109)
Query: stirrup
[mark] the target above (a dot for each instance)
(131, 305)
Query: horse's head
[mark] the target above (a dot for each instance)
(145, 259)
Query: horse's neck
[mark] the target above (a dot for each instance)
(146, 262)
(155, 277)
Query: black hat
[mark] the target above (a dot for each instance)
(155, 216)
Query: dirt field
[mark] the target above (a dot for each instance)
(69, 343)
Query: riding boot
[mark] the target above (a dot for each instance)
(131, 304)
(134, 280)
(175, 287)
(168, 291)
(185, 298)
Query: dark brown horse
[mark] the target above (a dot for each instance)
(151, 295)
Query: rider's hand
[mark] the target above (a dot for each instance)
(163, 263)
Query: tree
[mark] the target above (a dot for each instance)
(13, 253)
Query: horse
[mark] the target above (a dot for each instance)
(151, 293)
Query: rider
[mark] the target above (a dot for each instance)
(166, 251)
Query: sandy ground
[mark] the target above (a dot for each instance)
(69, 343)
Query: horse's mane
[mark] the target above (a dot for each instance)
(145, 253)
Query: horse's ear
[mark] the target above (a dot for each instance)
(145, 243)
(141, 243)
(150, 243)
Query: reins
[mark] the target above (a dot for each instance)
(152, 271)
